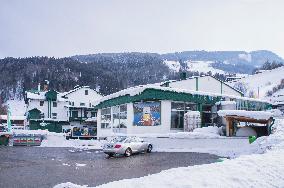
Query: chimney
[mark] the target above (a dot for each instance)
(38, 87)
(46, 83)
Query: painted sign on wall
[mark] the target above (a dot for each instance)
(147, 113)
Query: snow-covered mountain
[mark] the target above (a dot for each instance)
(116, 71)
(195, 66)
(258, 85)
(220, 61)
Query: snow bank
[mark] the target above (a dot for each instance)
(41, 132)
(244, 113)
(225, 103)
(248, 171)
(52, 139)
(58, 140)
(256, 170)
(276, 112)
(274, 141)
(205, 132)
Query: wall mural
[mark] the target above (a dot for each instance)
(147, 113)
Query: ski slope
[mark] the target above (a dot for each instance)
(263, 82)
(194, 66)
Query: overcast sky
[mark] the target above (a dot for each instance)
(68, 27)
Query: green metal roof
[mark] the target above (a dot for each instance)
(156, 94)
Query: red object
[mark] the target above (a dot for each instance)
(117, 146)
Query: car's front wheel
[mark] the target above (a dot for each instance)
(110, 155)
(149, 149)
(128, 152)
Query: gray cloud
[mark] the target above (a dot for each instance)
(67, 27)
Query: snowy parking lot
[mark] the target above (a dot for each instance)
(45, 167)
(176, 142)
(264, 169)
(183, 156)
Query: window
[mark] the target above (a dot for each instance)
(105, 118)
(85, 114)
(72, 103)
(105, 125)
(41, 103)
(54, 104)
(74, 114)
(82, 104)
(93, 114)
(86, 92)
(119, 114)
(178, 111)
(54, 115)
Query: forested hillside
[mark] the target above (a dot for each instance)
(115, 71)
(109, 73)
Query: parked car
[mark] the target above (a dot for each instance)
(126, 146)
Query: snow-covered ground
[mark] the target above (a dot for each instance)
(203, 140)
(17, 107)
(224, 147)
(263, 81)
(202, 66)
(59, 140)
(255, 170)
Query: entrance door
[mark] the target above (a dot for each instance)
(177, 119)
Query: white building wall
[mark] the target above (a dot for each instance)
(61, 108)
(160, 129)
(205, 84)
(79, 97)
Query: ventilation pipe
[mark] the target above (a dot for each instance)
(38, 87)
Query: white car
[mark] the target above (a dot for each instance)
(126, 146)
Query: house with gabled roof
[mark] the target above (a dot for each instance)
(54, 111)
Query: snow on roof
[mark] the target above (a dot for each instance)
(91, 119)
(132, 91)
(225, 103)
(13, 117)
(244, 113)
(77, 88)
(38, 95)
(41, 96)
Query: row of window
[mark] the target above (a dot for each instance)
(75, 114)
(53, 116)
(54, 104)
(116, 114)
(249, 105)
